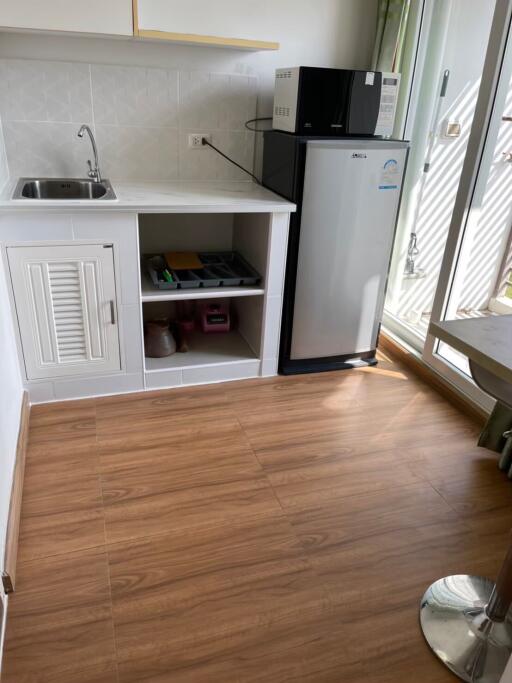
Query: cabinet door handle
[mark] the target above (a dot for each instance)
(112, 312)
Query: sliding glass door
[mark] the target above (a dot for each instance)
(475, 275)
(453, 253)
(482, 280)
(451, 53)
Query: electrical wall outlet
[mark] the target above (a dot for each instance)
(195, 140)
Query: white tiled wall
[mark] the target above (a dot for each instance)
(141, 117)
(4, 169)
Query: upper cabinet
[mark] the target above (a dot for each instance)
(242, 24)
(112, 17)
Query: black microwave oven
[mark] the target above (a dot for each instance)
(318, 101)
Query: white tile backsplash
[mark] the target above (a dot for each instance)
(4, 169)
(216, 101)
(134, 96)
(206, 164)
(45, 91)
(137, 153)
(45, 149)
(141, 117)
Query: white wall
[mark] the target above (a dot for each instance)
(11, 392)
(10, 397)
(4, 170)
(313, 32)
(10, 388)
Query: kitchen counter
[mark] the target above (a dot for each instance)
(238, 216)
(177, 197)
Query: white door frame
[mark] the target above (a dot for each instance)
(495, 81)
(424, 13)
(430, 34)
(420, 16)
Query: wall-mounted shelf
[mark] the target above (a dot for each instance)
(185, 22)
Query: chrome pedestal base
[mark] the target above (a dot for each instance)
(455, 624)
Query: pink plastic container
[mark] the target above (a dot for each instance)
(214, 316)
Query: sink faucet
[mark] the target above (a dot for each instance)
(93, 173)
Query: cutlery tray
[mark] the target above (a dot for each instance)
(220, 269)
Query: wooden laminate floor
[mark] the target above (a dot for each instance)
(271, 531)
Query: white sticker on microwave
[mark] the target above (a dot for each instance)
(370, 77)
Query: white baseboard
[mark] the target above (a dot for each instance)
(4, 600)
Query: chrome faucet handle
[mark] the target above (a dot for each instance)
(93, 172)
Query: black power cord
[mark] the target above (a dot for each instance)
(257, 130)
(209, 144)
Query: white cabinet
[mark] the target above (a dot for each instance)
(250, 348)
(94, 16)
(65, 299)
(226, 23)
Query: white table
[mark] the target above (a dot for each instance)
(465, 619)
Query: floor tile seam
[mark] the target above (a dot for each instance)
(304, 555)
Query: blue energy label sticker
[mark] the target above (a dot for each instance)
(389, 175)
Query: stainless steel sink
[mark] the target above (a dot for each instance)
(63, 188)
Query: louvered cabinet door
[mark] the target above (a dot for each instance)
(66, 307)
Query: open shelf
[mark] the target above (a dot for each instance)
(150, 293)
(205, 349)
(215, 357)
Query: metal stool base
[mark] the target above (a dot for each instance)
(456, 626)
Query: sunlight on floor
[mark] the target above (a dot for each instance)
(387, 373)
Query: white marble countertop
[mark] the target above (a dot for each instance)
(485, 341)
(177, 197)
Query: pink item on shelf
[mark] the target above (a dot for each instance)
(185, 316)
(187, 325)
(214, 316)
